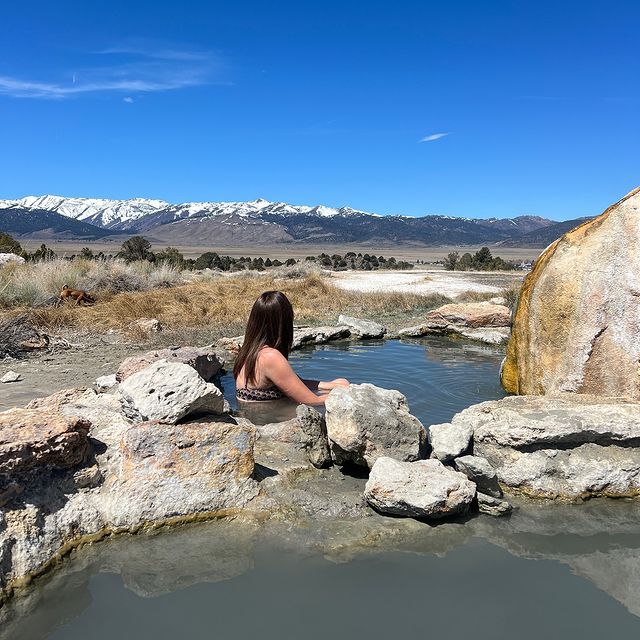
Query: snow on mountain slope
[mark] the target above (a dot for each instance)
(99, 211)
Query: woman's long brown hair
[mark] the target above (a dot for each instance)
(270, 325)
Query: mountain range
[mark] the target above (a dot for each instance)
(258, 222)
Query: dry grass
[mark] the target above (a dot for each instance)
(38, 284)
(222, 305)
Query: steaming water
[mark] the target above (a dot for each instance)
(549, 571)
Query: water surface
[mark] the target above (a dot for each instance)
(439, 376)
(549, 571)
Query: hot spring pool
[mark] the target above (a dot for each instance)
(549, 571)
(439, 376)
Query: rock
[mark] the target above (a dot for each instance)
(11, 376)
(498, 300)
(474, 315)
(365, 329)
(169, 470)
(10, 258)
(577, 324)
(302, 336)
(106, 382)
(203, 359)
(571, 446)
(495, 335)
(318, 335)
(57, 400)
(582, 472)
(492, 506)
(448, 441)
(316, 444)
(498, 335)
(479, 470)
(147, 325)
(152, 475)
(365, 422)
(555, 422)
(232, 345)
(168, 391)
(32, 438)
(422, 489)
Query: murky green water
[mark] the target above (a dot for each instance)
(549, 571)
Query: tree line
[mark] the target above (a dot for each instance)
(138, 248)
(481, 260)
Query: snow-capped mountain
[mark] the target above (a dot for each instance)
(261, 221)
(99, 211)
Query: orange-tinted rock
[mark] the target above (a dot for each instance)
(577, 325)
(31, 438)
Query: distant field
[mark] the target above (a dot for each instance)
(410, 253)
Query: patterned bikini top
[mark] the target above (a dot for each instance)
(259, 395)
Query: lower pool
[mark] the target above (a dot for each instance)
(548, 571)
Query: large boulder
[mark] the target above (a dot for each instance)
(365, 329)
(204, 360)
(422, 489)
(577, 325)
(474, 315)
(168, 391)
(171, 470)
(31, 438)
(481, 321)
(571, 446)
(365, 422)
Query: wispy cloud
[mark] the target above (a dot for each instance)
(433, 136)
(128, 99)
(126, 70)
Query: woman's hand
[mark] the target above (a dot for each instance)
(332, 384)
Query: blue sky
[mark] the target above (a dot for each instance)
(339, 103)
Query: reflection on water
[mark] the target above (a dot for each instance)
(483, 579)
(439, 376)
(549, 571)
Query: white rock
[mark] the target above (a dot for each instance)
(106, 382)
(11, 376)
(492, 506)
(147, 325)
(449, 440)
(568, 446)
(167, 392)
(366, 329)
(479, 470)
(422, 489)
(8, 258)
(365, 422)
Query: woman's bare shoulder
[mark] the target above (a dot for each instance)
(270, 355)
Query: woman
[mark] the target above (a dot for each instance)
(262, 370)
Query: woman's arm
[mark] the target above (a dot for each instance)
(277, 369)
(332, 384)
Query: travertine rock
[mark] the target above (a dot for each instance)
(168, 391)
(577, 325)
(365, 422)
(422, 489)
(203, 359)
(365, 329)
(31, 438)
